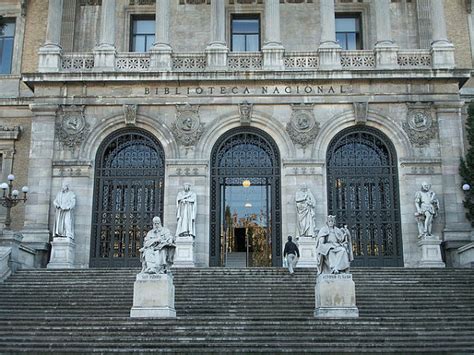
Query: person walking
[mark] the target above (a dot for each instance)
(291, 253)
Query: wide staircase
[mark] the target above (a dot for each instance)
(237, 310)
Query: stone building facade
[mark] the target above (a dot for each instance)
(127, 100)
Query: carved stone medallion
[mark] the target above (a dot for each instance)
(303, 127)
(71, 126)
(187, 128)
(419, 124)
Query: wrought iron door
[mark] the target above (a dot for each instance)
(251, 154)
(128, 193)
(363, 193)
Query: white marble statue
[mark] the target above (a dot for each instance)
(157, 254)
(64, 203)
(305, 202)
(186, 212)
(427, 206)
(333, 248)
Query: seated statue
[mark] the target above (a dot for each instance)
(333, 248)
(157, 254)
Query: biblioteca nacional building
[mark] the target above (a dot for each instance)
(248, 101)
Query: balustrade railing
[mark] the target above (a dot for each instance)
(301, 60)
(132, 61)
(189, 62)
(73, 62)
(243, 61)
(354, 60)
(414, 59)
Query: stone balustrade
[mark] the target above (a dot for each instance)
(247, 61)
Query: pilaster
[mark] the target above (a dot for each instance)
(329, 50)
(104, 53)
(217, 50)
(50, 53)
(385, 48)
(442, 50)
(273, 49)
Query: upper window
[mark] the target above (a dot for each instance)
(142, 35)
(348, 31)
(7, 35)
(245, 33)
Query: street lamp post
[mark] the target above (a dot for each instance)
(11, 198)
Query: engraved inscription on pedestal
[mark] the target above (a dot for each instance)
(335, 296)
(153, 296)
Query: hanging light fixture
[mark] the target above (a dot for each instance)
(246, 184)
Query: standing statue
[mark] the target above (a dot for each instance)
(64, 202)
(157, 254)
(427, 206)
(333, 248)
(186, 212)
(305, 202)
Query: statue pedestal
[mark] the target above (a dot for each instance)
(431, 252)
(307, 247)
(62, 253)
(335, 296)
(153, 296)
(184, 256)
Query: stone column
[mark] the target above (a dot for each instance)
(161, 50)
(217, 49)
(385, 48)
(329, 49)
(36, 232)
(272, 49)
(442, 50)
(104, 52)
(50, 53)
(457, 230)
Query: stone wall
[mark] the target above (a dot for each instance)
(458, 31)
(35, 32)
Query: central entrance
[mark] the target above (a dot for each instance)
(245, 223)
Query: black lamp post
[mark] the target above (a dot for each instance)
(10, 198)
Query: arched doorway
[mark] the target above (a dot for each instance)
(245, 205)
(363, 192)
(128, 192)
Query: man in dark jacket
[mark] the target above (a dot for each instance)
(291, 253)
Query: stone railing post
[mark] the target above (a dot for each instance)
(104, 52)
(50, 53)
(442, 50)
(217, 49)
(272, 49)
(161, 50)
(385, 48)
(329, 50)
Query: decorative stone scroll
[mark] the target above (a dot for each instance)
(303, 127)
(419, 125)
(71, 126)
(361, 110)
(245, 110)
(130, 114)
(187, 128)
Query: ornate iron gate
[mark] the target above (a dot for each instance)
(363, 193)
(251, 154)
(128, 192)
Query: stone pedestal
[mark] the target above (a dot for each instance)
(466, 255)
(62, 253)
(442, 54)
(104, 58)
(184, 256)
(307, 247)
(12, 240)
(273, 57)
(153, 296)
(217, 57)
(329, 57)
(160, 57)
(335, 296)
(5, 270)
(49, 58)
(386, 56)
(431, 252)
